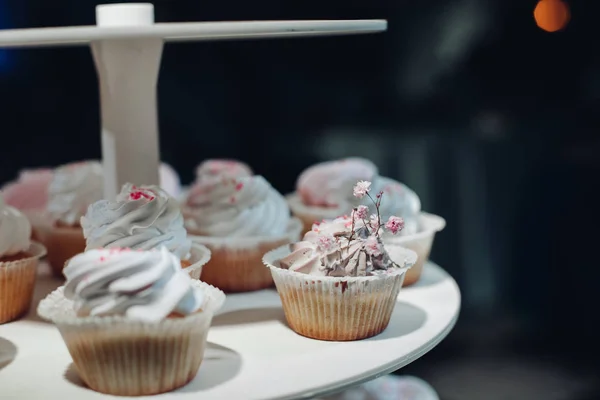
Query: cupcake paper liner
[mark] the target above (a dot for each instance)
(62, 242)
(339, 308)
(117, 356)
(420, 242)
(17, 281)
(236, 263)
(200, 255)
(310, 214)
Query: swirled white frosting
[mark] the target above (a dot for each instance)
(398, 199)
(329, 184)
(332, 249)
(15, 230)
(73, 188)
(141, 218)
(140, 285)
(241, 207)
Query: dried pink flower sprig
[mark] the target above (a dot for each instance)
(373, 223)
(348, 236)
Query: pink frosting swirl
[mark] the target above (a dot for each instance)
(30, 190)
(329, 184)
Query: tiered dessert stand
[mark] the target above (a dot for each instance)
(252, 354)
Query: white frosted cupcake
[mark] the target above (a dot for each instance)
(72, 189)
(134, 323)
(324, 191)
(341, 283)
(239, 220)
(19, 258)
(143, 218)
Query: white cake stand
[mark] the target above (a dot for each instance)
(252, 354)
(127, 48)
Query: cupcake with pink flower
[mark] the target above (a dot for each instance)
(143, 218)
(324, 190)
(341, 282)
(239, 220)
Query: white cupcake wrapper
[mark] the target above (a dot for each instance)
(339, 308)
(118, 356)
(199, 256)
(17, 282)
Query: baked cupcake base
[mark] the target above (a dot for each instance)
(421, 243)
(17, 282)
(339, 308)
(236, 263)
(121, 357)
(62, 242)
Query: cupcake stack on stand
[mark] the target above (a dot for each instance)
(137, 320)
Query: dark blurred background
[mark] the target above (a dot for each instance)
(491, 120)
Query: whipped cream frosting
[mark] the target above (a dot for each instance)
(331, 249)
(15, 230)
(220, 168)
(398, 199)
(30, 190)
(140, 285)
(73, 188)
(242, 207)
(140, 218)
(329, 184)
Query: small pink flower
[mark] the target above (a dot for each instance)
(373, 247)
(361, 212)
(326, 242)
(374, 223)
(394, 224)
(361, 189)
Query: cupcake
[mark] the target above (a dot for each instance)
(72, 189)
(239, 220)
(324, 191)
(340, 282)
(18, 263)
(143, 218)
(134, 323)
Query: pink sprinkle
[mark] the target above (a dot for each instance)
(102, 258)
(232, 199)
(138, 194)
(239, 186)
